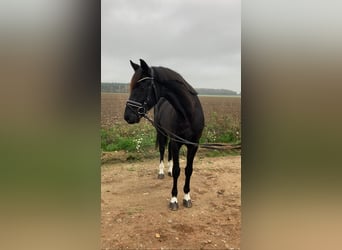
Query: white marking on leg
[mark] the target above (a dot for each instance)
(161, 167)
(187, 196)
(170, 164)
(173, 200)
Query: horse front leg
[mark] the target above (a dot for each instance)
(161, 140)
(175, 174)
(188, 172)
(169, 160)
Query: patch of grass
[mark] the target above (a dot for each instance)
(224, 128)
(120, 144)
(139, 139)
(132, 138)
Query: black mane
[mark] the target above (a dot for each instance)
(168, 76)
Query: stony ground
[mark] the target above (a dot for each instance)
(135, 212)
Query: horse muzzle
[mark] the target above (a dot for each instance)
(134, 111)
(131, 117)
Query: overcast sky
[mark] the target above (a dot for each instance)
(200, 39)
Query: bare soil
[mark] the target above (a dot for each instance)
(113, 107)
(135, 214)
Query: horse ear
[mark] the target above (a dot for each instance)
(134, 65)
(144, 65)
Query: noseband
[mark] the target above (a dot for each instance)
(141, 108)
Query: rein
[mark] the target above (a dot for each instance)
(177, 138)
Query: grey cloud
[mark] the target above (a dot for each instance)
(199, 39)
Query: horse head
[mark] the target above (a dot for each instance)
(143, 92)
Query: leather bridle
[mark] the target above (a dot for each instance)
(141, 108)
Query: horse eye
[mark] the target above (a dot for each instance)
(143, 85)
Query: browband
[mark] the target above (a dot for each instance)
(145, 78)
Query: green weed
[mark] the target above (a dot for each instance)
(129, 138)
(139, 139)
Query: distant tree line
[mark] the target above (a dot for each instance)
(203, 91)
(114, 87)
(124, 88)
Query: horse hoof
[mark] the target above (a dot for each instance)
(161, 176)
(173, 206)
(169, 174)
(187, 203)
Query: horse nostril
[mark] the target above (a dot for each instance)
(131, 118)
(128, 118)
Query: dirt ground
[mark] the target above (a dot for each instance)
(135, 214)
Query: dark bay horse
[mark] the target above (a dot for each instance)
(184, 119)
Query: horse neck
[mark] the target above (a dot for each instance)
(182, 101)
